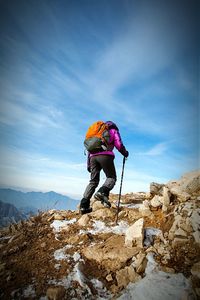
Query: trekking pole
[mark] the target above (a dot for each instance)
(124, 159)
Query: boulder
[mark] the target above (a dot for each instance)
(188, 184)
(196, 236)
(139, 262)
(145, 209)
(175, 226)
(125, 276)
(185, 224)
(59, 217)
(165, 199)
(156, 188)
(84, 220)
(96, 205)
(156, 201)
(180, 233)
(103, 213)
(135, 234)
(195, 220)
(112, 254)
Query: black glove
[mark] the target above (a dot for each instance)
(126, 154)
(123, 151)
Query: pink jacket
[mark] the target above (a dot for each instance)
(115, 141)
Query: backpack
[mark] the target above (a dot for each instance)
(97, 137)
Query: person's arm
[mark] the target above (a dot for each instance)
(119, 144)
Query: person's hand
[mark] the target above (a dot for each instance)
(126, 154)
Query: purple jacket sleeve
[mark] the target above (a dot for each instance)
(117, 141)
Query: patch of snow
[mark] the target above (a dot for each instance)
(149, 234)
(59, 224)
(60, 253)
(5, 238)
(120, 228)
(132, 205)
(101, 227)
(101, 290)
(84, 290)
(29, 291)
(151, 263)
(158, 285)
(76, 256)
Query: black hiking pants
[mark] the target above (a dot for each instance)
(98, 163)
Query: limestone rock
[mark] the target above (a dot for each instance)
(112, 254)
(139, 262)
(58, 217)
(196, 236)
(186, 225)
(125, 276)
(156, 201)
(165, 199)
(195, 220)
(55, 293)
(84, 220)
(196, 270)
(96, 205)
(175, 226)
(102, 213)
(188, 184)
(145, 209)
(179, 241)
(135, 234)
(109, 278)
(180, 233)
(156, 188)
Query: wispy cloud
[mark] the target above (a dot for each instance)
(156, 150)
(65, 66)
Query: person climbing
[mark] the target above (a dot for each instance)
(103, 159)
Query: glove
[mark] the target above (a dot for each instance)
(126, 154)
(123, 151)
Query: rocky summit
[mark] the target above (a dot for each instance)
(152, 252)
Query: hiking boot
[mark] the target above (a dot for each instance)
(103, 198)
(85, 210)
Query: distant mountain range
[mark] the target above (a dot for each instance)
(17, 205)
(10, 214)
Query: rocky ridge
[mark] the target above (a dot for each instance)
(154, 245)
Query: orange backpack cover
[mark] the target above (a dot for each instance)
(96, 136)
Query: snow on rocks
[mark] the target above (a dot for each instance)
(143, 256)
(59, 225)
(159, 285)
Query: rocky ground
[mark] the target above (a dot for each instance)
(63, 255)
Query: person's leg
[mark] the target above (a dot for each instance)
(94, 181)
(107, 164)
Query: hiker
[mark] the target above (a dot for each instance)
(103, 159)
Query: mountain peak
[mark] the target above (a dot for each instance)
(152, 250)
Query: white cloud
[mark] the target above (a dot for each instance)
(156, 150)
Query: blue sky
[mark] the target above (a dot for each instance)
(66, 64)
